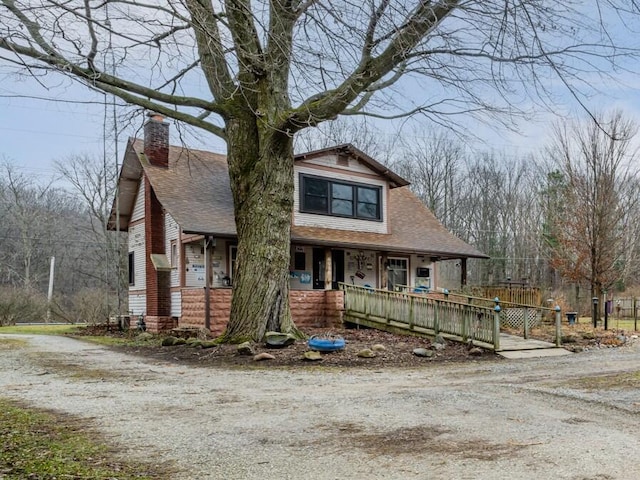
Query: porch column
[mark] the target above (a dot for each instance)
(384, 274)
(328, 269)
(463, 272)
(207, 283)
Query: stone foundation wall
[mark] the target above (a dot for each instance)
(156, 324)
(193, 308)
(309, 308)
(334, 308)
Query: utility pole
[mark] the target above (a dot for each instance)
(50, 294)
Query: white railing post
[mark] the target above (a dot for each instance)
(411, 312)
(496, 327)
(558, 327)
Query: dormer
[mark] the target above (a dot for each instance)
(344, 189)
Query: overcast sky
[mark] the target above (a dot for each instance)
(35, 133)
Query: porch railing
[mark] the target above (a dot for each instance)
(422, 314)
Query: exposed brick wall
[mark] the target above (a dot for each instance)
(158, 284)
(309, 308)
(156, 141)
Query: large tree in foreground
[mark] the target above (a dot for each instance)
(255, 72)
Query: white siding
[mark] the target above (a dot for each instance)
(416, 262)
(361, 263)
(339, 223)
(349, 164)
(137, 305)
(136, 245)
(172, 232)
(219, 263)
(138, 207)
(301, 279)
(194, 264)
(176, 304)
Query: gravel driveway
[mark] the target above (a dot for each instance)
(574, 417)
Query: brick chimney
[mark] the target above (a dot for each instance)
(156, 140)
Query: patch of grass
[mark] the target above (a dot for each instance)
(12, 344)
(52, 363)
(627, 380)
(120, 341)
(40, 329)
(426, 439)
(41, 445)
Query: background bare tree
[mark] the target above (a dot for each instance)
(29, 221)
(42, 221)
(599, 195)
(274, 68)
(93, 181)
(434, 164)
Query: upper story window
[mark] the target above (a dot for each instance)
(343, 199)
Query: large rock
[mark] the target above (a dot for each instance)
(278, 339)
(475, 351)
(422, 352)
(169, 341)
(378, 347)
(366, 353)
(312, 355)
(245, 348)
(263, 356)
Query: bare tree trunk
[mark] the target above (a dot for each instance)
(261, 171)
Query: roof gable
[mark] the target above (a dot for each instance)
(341, 155)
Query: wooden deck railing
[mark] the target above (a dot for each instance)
(422, 314)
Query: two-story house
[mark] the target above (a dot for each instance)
(354, 221)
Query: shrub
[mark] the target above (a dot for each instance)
(21, 305)
(92, 306)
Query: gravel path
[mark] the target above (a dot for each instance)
(574, 417)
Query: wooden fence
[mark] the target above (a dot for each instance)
(513, 294)
(422, 314)
(626, 307)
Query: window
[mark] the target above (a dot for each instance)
(397, 277)
(174, 254)
(132, 269)
(299, 261)
(343, 199)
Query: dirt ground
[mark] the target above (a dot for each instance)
(573, 417)
(390, 350)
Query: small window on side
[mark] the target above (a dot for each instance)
(174, 254)
(132, 269)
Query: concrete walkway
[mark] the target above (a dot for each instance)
(512, 347)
